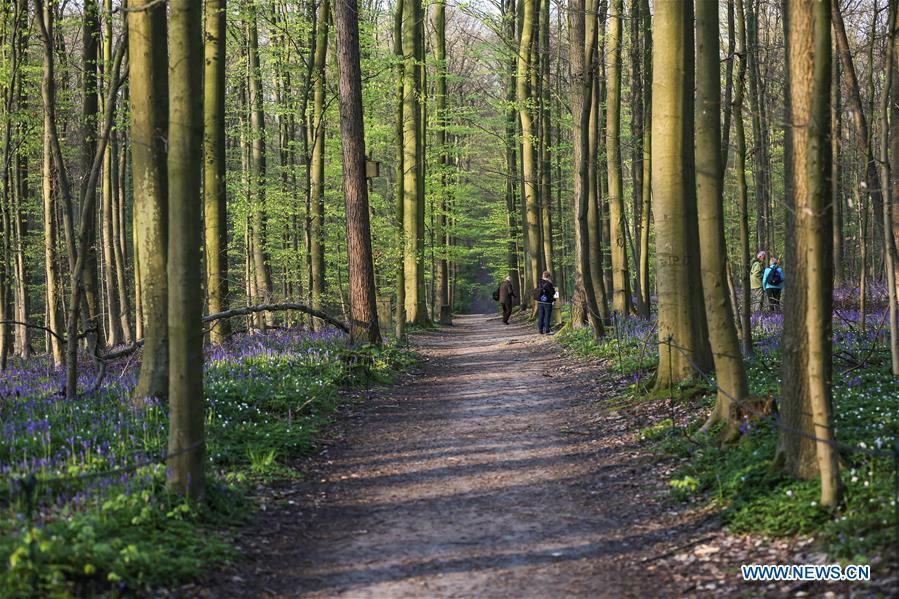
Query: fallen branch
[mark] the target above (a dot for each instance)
(47, 330)
(277, 308)
(130, 349)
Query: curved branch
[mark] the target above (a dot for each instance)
(34, 326)
(130, 349)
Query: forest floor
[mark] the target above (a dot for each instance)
(494, 470)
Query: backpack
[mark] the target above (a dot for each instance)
(774, 277)
(541, 295)
(496, 295)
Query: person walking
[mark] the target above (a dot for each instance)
(774, 284)
(545, 294)
(756, 284)
(505, 295)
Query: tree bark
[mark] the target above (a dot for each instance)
(581, 57)
(148, 59)
(546, 230)
(55, 318)
(528, 154)
(806, 404)
(742, 191)
(115, 331)
(889, 244)
(731, 375)
(90, 109)
(644, 300)
(442, 117)
(413, 202)
(399, 194)
(363, 309)
(215, 191)
(621, 295)
(683, 333)
(836, 128)
(258, 167)
(186, 473)
(317, 175)
(894, 174)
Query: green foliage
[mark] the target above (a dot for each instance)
(742, 480)
(629, 348)
(128, 541)
(268, 402)
(757, 496)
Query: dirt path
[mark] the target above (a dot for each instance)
(489, 474)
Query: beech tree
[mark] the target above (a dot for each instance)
(731, 375)
(807, 366)
(683, 332)
(148, 78)
(215, 202)
(186, 448)
(364, 314)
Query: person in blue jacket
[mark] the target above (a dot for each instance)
(774, 284)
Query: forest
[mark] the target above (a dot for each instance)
(225, 224)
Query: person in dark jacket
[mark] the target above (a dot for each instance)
(545, 296)
(506, 297)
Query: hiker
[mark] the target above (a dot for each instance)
(505, 295)
(774, 284)
(755, 281)
(545, 294)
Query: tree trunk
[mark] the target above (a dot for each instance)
(399, 198)
(731, 376)
(645, 291)
(889, 244)
(742, 192)
(581, 57)
(683, 333)
(413, 256)
(215, 192)
(597, 240)
(364, 319)
(148, 59)
(636, 101)
(48, 93)
(115, 332)
(512, 250)
(836, 128)
(19, 231)
(545, 138)
(258, 168)
(728, 84)
(807, 366)
(89, 115)
(761, 166)
(442, 282)
(621, 295)
(186, 467)
(894, 175)
(528, 154)
(317, 175)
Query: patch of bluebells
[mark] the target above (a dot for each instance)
(52, 438)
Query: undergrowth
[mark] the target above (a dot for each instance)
(753, 493)
(269, 398)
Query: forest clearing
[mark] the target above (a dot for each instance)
(486, 298)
